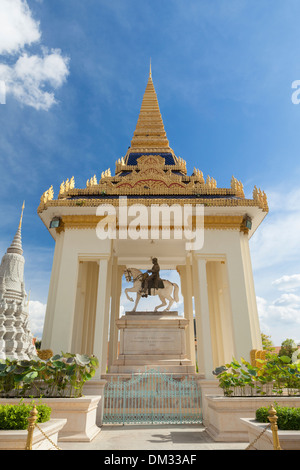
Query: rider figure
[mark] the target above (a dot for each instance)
(152, 281)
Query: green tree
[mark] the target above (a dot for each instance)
(267, 343)
(288, 346)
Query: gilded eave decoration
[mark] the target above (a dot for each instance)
(152, 177)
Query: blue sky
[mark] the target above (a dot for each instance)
(75, 74)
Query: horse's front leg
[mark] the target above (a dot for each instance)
(138, 296)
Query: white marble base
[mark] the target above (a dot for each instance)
(153, 340)
(16, 440)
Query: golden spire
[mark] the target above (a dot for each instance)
(150, 134)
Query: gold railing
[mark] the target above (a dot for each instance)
(274, 428)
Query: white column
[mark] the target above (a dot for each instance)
(204, 341)
(240, 311)
(100, 333)
(225, 315)
(182, 273)
(48, 324)
(64, 305)
(253, 313)
(190, 316)
(106, 318)
(79, 319)
(89, 311)
(116, 289)
(213, 288)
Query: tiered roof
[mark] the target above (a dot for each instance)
(151, 172)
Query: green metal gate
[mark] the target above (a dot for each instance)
(152, 397)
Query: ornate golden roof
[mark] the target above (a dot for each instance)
(149, 134)
(150, 172)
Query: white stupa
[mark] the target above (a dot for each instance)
(16, 340)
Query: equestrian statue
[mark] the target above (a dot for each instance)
(145, 284)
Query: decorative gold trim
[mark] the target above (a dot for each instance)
(152, 177)
(149, 202)
(221, 222)
(66, 186)
(218, 222)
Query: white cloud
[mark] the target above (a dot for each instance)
(27, 78)
(290, 300)
(30, 76)
(282, 315)
(17, 27)
(276, 242)
(288, 283)
(37, 311)
(275, 251)
(51, 68)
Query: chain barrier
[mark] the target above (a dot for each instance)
(47, 437)
(274, 428)
(257, 438)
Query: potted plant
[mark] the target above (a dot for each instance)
(246, 388)
(288, 422)
(59, 383)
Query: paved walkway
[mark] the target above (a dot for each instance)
(164, 437)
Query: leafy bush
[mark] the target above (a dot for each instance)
(60, 376)
(16, 416)
(288, 347)
(288, 417)
(275, 376)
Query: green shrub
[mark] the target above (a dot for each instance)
(275, 376)
(14, 417)
(60, 376)
(288, 417)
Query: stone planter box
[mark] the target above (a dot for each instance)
(16, 440)
(289, 440)
(223, 421)
(96, 387)
(80, 414)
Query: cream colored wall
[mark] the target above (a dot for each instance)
(85, 308)
(73, 246)
(116, 289)
(48, 323)
(187, 294)
(228, 300)
(250, 289)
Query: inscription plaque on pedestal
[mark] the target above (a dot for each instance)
(152, 339)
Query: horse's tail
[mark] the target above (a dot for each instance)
(176, 291)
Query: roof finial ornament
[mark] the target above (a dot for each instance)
(21, 218)
(16, 244)
(150, 71)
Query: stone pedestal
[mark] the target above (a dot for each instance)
(153, 340)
